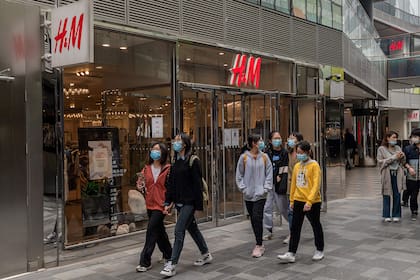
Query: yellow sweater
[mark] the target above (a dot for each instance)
(306, 183)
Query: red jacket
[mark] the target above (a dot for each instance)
(155, 192)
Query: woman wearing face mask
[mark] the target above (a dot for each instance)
(391, 159)
(305, 200)
(277, 196)
(151, 183)
(412, 154)
(254, 178)
(184, 190)
(294, 138)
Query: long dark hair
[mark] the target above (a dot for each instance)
(271, 134)
(387, 135)
(186, 140)
(298, 135)
(253, 138)
(163, 153)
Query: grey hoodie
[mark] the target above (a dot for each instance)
(254, 177)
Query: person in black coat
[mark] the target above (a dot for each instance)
(184, 191)
(349, 145)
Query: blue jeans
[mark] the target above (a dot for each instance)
(186, 221)
(396, 201)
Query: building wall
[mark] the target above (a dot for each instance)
(237, 24)
(398, 122)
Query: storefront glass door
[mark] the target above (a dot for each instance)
(219, 122)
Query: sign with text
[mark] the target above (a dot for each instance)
(414, 116)
(72, 34)
(245, 71)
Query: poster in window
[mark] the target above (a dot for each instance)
(157, 127)
(100, 160)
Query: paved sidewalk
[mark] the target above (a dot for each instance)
(358, 246)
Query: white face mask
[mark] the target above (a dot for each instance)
(415, 140)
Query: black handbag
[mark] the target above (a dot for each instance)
(281, 187)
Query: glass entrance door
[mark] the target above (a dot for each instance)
(219, 122)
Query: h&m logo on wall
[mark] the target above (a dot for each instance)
(246, 71)
(72, 34)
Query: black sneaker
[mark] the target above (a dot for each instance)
(404, 204)
(414, 217)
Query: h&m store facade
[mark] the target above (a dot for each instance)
(144, 85)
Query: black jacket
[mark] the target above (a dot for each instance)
(184, 184)
(279, 159)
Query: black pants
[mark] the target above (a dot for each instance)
(412, 193)
(156, 233)
(256, 211)
(313, 216)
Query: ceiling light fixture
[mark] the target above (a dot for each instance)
(188, 59)
(123, 48)
(98, 67)
(72, 84)
(221, 53)
(225, 65)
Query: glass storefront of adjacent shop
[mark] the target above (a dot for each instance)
(113, 110)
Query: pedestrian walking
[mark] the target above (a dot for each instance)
(391, 159)
(294, 138)
(254, 178)
(350, 146)
(151, 183)
(305, 200)
(412, 154)
(184, 192)
(277, 196)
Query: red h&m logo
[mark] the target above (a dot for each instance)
(245, 71)
(74, 36)
(396, 46)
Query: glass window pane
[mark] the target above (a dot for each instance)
(268, 3)
(337, 17)
(311, 11)
(299, 8)
(278, 5)
(282, 6)
(326, 13)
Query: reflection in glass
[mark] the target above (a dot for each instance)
(128, 93)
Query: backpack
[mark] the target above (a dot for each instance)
(205, 189)
(246, 157)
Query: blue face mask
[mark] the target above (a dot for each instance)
(392, 143)
(155, 154)
(302, 157)
(261, 145)
(276, 143)
(177, 145)
(291, 143)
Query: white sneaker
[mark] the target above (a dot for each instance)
(318, 255)
(52, 237)
(388, 220)
(168, 269)
(286, 240)
(268, 236)
(396, 219)
(204, 259)
(288, 257)
(141, 268)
